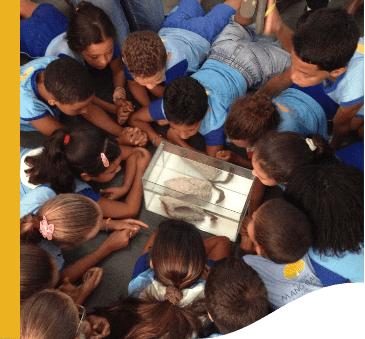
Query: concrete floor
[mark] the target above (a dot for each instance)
(119, 265)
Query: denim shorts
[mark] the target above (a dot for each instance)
(258, 58)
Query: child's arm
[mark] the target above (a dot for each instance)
(158, 91)
(277, 84)
(139, 92)
(343, 122)
(234, 158)
(119, 79)
(129, 208)
(46, 125)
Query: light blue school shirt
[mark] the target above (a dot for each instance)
(223, 84)
(348, 89)
(32, 106)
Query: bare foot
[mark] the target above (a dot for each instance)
(273, 22)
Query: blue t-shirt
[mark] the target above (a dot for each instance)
(348, 89)
(223, 84)
(32, 106)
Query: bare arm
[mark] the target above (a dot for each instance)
(46, 125)
(142, 119)
(139, 92)
(119, 79)
(277, 84)
(158, 91)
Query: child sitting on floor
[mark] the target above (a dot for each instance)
(169, 280)
(64, 83)
(325, 49)
(235, 295)
(282, 235)
(73, 156)
(239, 60)
(179, 48)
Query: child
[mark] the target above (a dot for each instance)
(84, 153)
(179, 48)
(337, 215)
(39, 271)
(52, 314)
(326, 50)
(239, 60)
(277, 155)
(89, 39)
(297, 109)
(170, 282)
(281, 234)
(235, 295)
(65, 83)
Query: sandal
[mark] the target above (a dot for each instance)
(248, 7)
(261, 14)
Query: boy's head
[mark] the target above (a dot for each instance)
(185, 103)
(145, 56)
(70, 85)
(250, 118)
(280, 232)
(235, 295)
(322, 46)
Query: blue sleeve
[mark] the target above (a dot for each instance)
(176, 71)
(141, 282)
(116, 52)
(326, 276)
(33, 200)
(127, 74)
(156, 110)
(90, 193)
(215, 138)
(142, 264)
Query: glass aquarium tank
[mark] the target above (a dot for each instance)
(210, 193)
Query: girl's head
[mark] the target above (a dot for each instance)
(38, 270)
(280, 232)
(75, 219)
(277, 154)
(178, 260)
(91, 33)
(332, 196)
(83, 151)
(49, 314)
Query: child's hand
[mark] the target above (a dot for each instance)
(246, 244)
(143, 158)
(226, 155)
(114, 193)
(119, 239)
(127, 224)
(133, 137)
(119, 94)
(96, 327)
(124, 111)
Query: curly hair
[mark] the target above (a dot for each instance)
(144, 54)
(250, 118)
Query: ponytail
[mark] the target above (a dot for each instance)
(280, 153)
(69, 152)
(73, 217)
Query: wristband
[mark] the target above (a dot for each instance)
(154, 140)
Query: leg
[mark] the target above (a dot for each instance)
(217, 248)
(27, 8)
(353, 6)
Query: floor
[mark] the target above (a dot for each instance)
(119, 265)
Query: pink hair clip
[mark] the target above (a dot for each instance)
(104, 160)
(46, 229)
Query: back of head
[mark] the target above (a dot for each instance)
(36, 270)
(332, 196)
(280, 153)
(250, 118)
(144, 54)
(235, 295)
(282, 231)
(178, 258)
(70, 151)
(68, 81)
(328, 38)
(49, 314)
(88, 25)
(185, 101)
(73, 216)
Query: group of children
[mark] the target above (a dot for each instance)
(210, 74)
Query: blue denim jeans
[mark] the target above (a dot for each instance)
(131, 15)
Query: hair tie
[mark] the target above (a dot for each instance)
(173, 295)
(310, 143)
(66, 140)
(46, 229)
(104, 159)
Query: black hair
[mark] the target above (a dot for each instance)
(185, 101)
(68, 81)
(327, 38)
(64, 158)
(332, 196)
(235, 295)
(88, 25)
(282, 231)
(279, 153)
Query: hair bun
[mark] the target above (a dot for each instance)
(173, 295)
